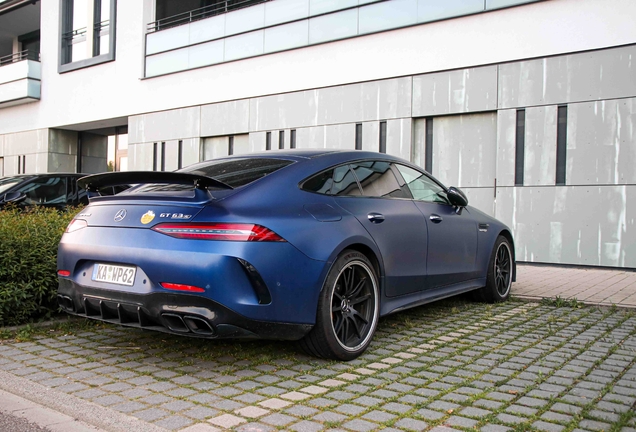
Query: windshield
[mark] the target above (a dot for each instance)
(8, 182)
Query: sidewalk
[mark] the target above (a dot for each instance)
(599, 287)
(447, 366)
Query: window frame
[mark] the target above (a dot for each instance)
(65, 18)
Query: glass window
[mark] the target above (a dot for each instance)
(238, 172)
(422, 187)
(377, 179)
(344, 182)
(83, 21)
(48, 190)
(320, 183)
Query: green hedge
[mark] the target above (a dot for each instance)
(28, 262)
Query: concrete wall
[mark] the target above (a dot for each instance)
(473, 113)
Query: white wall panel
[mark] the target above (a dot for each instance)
(225, 118)
(578, 77)
(464, 149)
(207, 29)
(506, 147)
(482, 199)
(460, 91)
(140, 156)
(588, 225)
(242, 144)
(317, 7)
(540, 146)
(172, 155)
(601, 142)
(245, 19)
(165, 125)
(398, 137)
(215, 147)
(206, 54)
(371, 136)
(190, 151)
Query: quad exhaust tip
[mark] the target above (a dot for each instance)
(187, 324)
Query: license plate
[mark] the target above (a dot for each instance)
(120, 275)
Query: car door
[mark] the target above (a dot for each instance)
(386, 211)
(49, 191)
(452, 234)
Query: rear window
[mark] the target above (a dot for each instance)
(237, 172)
(233, 172)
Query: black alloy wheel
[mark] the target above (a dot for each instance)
(348, 310)
(499, 278)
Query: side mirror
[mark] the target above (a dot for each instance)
(456, 197)
(14, 197)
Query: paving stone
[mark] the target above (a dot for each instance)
(227, 420)
(350, 409)
(200, 412)
(461, 422)
(411, 424)
(378, 416)
(594, 425)
(278, 419)
(251, 412)
(511, 419)
(306, 426)
(429, 414)
(151, 414)
(359, 425)
(475, 412)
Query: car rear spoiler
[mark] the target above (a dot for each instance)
(92, 183)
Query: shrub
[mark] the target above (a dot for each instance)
(28, 262)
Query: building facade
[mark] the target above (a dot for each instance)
(529, 106)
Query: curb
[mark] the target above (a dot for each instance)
(61, 412)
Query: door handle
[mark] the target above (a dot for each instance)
(375, 217)
(435, 218)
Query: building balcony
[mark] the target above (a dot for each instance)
(20, 76)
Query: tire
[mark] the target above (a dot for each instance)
(348, 310)
(499, 278)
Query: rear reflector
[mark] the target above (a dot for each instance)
(64, 273)
(219, 231)
(180, 287)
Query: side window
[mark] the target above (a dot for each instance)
(377, 180)
(51, 190)
(422, 187)
(344, 182)
(338, 181)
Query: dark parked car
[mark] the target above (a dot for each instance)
(309, 245)
(51, 190)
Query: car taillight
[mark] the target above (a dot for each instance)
(64, 273)
(219, 231)
(76, 224)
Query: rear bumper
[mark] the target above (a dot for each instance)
(182, 314)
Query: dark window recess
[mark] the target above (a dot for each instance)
(19, 164)
(359, 136)
(520, 146)
(320, 183)
(383, 137)
(377, 180)
(281, 140)
(230, 145)
(428, 146)
(292, 139)
(163, 156)
(268, 141)
(562, 144)
(180, 155)
(154, 156)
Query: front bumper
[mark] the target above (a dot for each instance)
(182, 314)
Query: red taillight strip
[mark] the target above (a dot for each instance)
(63, 273)
(219, 231)
(180, 287)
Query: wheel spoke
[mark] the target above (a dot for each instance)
(360, 299)
(356, 327)
(356, 314)
(336, 307)
(358, 287)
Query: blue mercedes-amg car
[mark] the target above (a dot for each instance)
(299, 245)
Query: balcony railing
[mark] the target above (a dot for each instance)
(19, 56)
(201, 13)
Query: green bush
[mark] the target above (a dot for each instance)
(28, 262)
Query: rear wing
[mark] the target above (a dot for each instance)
(92, 183)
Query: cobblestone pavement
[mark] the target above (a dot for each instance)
(454, 365)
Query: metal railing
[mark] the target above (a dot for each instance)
(19, 56)
(219, 8)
